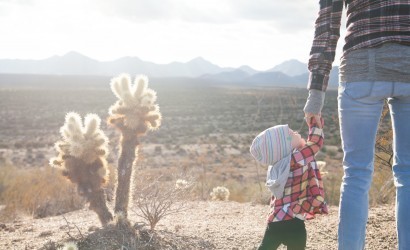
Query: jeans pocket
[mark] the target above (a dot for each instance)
(401, 92)
(356, 90)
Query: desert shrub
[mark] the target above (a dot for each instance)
(320, 156)
(7, 172)
(158, 149)
(247, 191)
(262, 198)
(331, 152)
(255, 192)
(332, 179)
(156, 198)
(382, 190)
(38, 192)
(220, 193)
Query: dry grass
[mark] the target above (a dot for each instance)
(382, 190)
(37, 192)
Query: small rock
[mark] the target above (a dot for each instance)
(25, 230)
(45, 234)
(139, 225)
(93, 228)
(18, 225)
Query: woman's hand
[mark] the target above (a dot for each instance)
(316, 117)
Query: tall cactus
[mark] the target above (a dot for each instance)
(134, 114)
(82, 156)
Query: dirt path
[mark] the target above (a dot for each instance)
(218, 225)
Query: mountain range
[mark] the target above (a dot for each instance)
(292, 73)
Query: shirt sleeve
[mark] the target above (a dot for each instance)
(322, 53)
(313, 145)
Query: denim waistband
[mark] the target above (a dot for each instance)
(389, 62)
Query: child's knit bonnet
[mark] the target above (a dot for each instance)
(273, 147)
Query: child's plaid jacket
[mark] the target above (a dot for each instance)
(303, 195)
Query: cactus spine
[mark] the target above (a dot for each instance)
(134, 114)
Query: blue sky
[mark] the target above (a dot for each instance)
(230, 33)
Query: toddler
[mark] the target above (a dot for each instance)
(294, 180)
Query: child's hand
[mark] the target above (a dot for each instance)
(315, 120)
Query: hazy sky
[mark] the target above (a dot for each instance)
(258, 33)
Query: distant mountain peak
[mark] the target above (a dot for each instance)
(128, 59)
(245, 67)
(199, 59)
(292, 61)
(248, 69)
(73, 55)
(291, 67)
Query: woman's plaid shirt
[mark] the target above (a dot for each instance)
(303, 195)
(370, 23)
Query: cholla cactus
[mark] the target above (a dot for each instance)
(88, 142)
(82, 156)
(134, 114)
(181, 184)
(220, 193)
(71, 245)
(321, 166)
(135, 109)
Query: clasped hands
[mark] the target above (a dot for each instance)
(316, 117)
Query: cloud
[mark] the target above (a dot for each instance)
(17, 1)
(157, 10)
(292, 15)
(284, 15)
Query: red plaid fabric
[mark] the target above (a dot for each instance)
(369, 23)
(303, 195)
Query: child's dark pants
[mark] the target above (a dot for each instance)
(291, 233)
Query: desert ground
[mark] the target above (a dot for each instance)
(206, 225)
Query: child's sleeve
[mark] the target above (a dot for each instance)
(313, 144)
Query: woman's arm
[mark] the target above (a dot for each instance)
(322, 53)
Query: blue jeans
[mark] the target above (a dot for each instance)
(360, 105)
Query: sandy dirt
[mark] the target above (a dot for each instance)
(205, 225)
